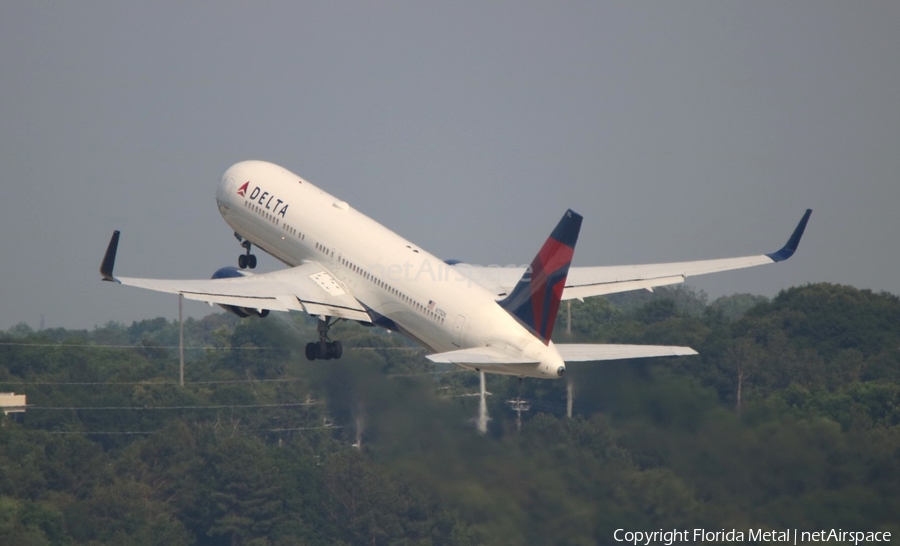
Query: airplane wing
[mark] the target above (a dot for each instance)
(308, 287)
(583, 282)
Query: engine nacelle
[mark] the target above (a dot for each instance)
(243, 312)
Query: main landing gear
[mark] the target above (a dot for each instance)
(245, 260)
(324, 349)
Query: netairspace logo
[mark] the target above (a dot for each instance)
(789, 536)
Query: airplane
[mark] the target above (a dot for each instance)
(342, 265)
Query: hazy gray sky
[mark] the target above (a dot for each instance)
(680, 130)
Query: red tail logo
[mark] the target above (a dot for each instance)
(243, 189)
(535, 299)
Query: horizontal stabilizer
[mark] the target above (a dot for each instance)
(480, 355)
(579, 352)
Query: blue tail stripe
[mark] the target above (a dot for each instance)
(566, 231)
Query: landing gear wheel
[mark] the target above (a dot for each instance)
(242, 261)
(336, 349)
(251, 261)
(324, 349)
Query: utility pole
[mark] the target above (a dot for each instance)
(482, 420)
(181, 338)
(519, 405)
(360, 425)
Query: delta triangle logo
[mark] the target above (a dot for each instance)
(243, 189)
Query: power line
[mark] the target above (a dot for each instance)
(154, 408)
(439, 372)
(208, 347)
(210, 382)
(300, 428)
(148, 383)
(549, 407)
(97, 432)
(108, 346)
(149, 432)
(153, 383)
(413, 349)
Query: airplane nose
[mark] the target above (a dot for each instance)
(561, 371)
(228, 188)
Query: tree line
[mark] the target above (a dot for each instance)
(787, 418)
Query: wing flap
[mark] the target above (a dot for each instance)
(272, 304)
(579, 352)
(329, 310)
(579, 292)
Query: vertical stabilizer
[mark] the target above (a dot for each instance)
(535, 299)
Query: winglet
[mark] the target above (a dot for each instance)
(109, 259)
(791, 246)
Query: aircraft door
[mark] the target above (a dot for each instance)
(459, 330)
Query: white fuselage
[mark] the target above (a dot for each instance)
(402, 285)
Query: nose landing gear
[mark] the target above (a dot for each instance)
(245, 260)
(324, 349)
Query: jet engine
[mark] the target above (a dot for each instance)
(243, 312)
